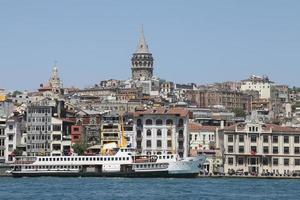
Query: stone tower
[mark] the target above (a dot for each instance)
(54, 80)
(142, 61)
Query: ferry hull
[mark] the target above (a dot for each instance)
(160, 174)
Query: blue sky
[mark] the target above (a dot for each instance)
(191, 41)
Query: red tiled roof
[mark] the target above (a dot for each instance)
(164, 111)
(198, 127)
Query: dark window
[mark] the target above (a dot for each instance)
(241, 138)
(253, 149)
(253, 138)
(230, 161)
(169, 122)
(230, 149)
(139, 122)
(286, 150)
(148, 122)
(148, 132)
(275, 161)
(297, 162)
(286, 139)
(241, 149)
(286, 162)
(297, 150)
(265, 139)
(158, 133)
(266, 149)
(296, 139)
(180, 134)
(275, 150)
(169, 143)
(158, 143)
(230, 138)
(139, 133)
(169, 132)
(148, 143)
(159, 122)
(265, 161)
(275, 139)
(240, 161)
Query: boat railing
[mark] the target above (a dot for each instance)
(24, 160)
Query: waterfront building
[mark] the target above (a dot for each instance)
(162, 130)
(260, 148)
(256, 83)
(111, 129)
(39, 125)
(14, 131)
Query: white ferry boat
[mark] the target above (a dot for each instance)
(124, 163)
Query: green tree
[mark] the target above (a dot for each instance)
(239, 112)
(79, 148)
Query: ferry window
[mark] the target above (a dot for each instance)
(112, 159)
(91, 159)
(145, 166)
(46, 159)
(123, 158)
(75, 159)
(104, 159)
(164, 157)
(101, 158)
(68, 159)
(50, 159)
(94, 159)
(72, 159)
(171, 156)
(40, 159)
(43, 159)
(127, 158)
(61, 159)
(108, 159)
(65, 159)
(168, 157)
(98, 159)
(120, 158)
(79, 159)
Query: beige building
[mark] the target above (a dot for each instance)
(261, 148)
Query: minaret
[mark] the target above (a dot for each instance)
(54, 81)
(142, 61)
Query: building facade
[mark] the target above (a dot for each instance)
(162, 130)
(259, 148)
(256, 83)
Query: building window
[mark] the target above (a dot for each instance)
(149, 132)
(148, 122)
(180, 134)
(253, 138)
(266, 150)
(230, 149)
(230, 138)
(240, 161)
(297, 150)
(169, 122)
(10, 137)
(139, 122)
(286, 162)
(253, 150)
(275, 150)
(286, 139)
(169, 132)
(297, 139)
(265, 161)
(275, 139)
(158, 143)
(241, 138)
(139, 133)
(241, 149)
(169, 143)
(180, 122)
(286, 150)
(230, 161)
(159, 122)
(297, 162)
(148, 143)
(139, 144)
(275, 161)
(158, 133)
(265, 139)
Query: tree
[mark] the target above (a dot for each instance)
(239, 112)
(79, 148)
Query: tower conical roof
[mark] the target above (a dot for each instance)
(142, 45)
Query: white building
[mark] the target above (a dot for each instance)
(261, 148)
(161, 130)
(15, 127)
(2, 139)
(260, 84)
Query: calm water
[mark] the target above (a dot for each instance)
(144, 189)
